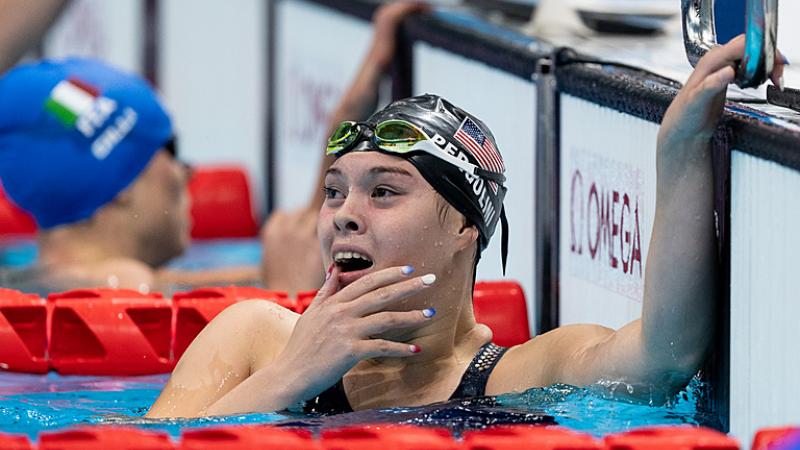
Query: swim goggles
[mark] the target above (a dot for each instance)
(399, 137)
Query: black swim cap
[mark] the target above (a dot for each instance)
(464, 136)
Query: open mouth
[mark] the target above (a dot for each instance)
(352, 261)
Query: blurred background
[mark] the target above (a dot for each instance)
(210, 61)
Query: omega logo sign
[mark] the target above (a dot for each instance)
(601, 231)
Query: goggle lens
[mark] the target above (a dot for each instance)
(342, 137)
(397, 136)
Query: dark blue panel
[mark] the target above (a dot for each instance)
(729, 15)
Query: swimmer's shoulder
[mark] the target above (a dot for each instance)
(544, 359)
(263, 324)
(250, 333)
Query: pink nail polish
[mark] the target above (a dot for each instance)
(329, 272)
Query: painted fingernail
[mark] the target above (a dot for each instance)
(414, 348)
(329, 272)
(428, 279)
(429, 312)
(785, 60)
(407, 270)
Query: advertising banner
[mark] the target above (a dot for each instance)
(607, 205)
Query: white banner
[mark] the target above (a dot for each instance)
(607, 206)
(764, 336)
(317, 53)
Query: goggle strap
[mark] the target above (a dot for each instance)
(504, 239)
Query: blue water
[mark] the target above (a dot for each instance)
(20, 253)
(30, 404)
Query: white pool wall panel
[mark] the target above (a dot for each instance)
(108, 30)
(607, 206)
(213, 74)
(765, 295)
(318, 52)
(507, 104)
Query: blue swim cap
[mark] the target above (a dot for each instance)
(73, 134)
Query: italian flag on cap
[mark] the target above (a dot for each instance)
(69, 99)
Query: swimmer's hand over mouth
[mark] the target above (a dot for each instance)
(333, 334)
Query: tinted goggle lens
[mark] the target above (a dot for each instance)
(342, 137)
(396, 136)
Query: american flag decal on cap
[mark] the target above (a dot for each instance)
(469, 135)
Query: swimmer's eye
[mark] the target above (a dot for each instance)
(381, 192)
(331, 193)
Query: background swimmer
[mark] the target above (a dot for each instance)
(115, 221)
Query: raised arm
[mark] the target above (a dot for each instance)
(22, 25)
(293, 234)
(659, 353)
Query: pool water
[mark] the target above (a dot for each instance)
(20, 253)
(30, 404)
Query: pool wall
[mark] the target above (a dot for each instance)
(597, 146)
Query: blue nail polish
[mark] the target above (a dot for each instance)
(407, 270)
(429, 312)
(785, 60)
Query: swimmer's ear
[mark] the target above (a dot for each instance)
(467, 235)
(124, 198)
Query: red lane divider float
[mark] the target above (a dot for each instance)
(221, 203)
(671, 438)
(23, 332)
(110, 332)
(14, 442)
(783, 438)
(105, 438)
(392, 437)
(13, 220)
(527, 436)
(388, 437)
(124, 332)
(194, 309)
(247, 437)
(501, 306)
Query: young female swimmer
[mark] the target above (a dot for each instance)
(393, 324)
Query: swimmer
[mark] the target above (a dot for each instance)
(90, 152)
(408, 209)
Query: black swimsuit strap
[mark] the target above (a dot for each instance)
(331, 401)
(473, 382)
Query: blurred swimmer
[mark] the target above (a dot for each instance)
(420, 185)
(89, 151)
(291, 258)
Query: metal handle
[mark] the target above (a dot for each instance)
(700, 35)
